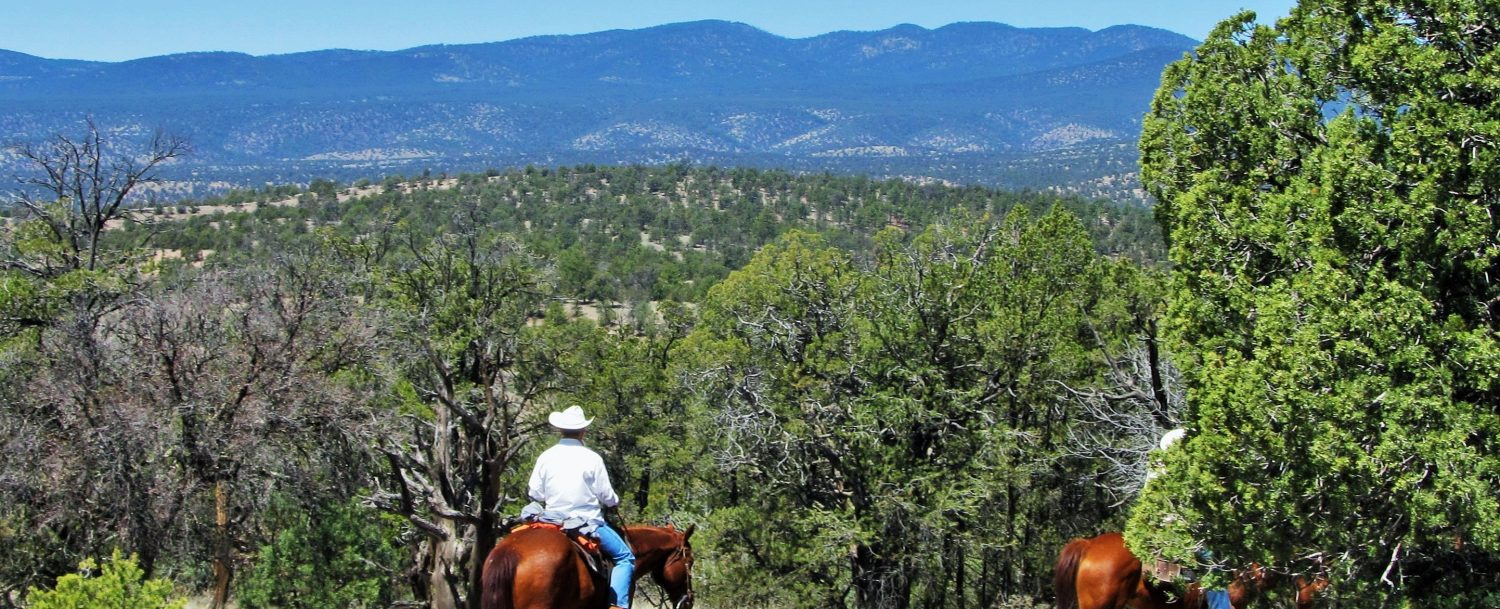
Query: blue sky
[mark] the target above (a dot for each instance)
(116, 30)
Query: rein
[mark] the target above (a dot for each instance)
(687, 573)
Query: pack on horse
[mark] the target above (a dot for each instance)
(541, 568)
(1101, 573)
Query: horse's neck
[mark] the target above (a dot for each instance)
(650, 544)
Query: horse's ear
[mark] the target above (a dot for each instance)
(688, 532)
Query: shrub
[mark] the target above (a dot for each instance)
(117, 583)
(332, 557)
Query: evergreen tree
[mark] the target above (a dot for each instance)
(1329, 190)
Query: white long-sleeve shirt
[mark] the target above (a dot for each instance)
(570, 478)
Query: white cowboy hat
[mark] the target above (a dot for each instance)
(1172, 437)
(571, 419)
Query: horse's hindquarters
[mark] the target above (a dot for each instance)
(547, 574)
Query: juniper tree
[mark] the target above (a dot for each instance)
(1329, 191)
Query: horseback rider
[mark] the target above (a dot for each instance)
(1216, 598)
(570, 478)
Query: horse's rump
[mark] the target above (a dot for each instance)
(535, 563)
(1100, 573)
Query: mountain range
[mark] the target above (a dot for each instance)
(971, 102)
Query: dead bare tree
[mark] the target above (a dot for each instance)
(159, 426)
(238, 365)
(1121, 422)
(80, 477)
(88, 182)
(77, 187)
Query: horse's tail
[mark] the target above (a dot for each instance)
(498, 579)
(1065, 574)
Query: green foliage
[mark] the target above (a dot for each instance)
(902, 419)
(42, 278)
(118, 583)
(341, 556)
(326, 190)
(1328, 188)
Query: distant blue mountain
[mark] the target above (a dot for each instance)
(903, 100)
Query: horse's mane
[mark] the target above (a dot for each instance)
(654, 532)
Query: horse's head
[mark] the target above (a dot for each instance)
(1256, 579)
(667, 554)
(676, 575)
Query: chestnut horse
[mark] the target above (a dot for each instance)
(1100, 573)
(541, 569)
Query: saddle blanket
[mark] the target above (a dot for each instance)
(584, 542)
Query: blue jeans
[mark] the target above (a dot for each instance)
(1218, 599)
(617, 550)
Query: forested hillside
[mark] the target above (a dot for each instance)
(973, 102)
(863, 392)
(622, 234)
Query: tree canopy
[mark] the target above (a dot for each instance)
(905, 419)
(1328, 188)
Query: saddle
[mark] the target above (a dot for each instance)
(586, 547)
(1164, 571)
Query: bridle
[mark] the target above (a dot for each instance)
(687, 574)
(680, 554)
